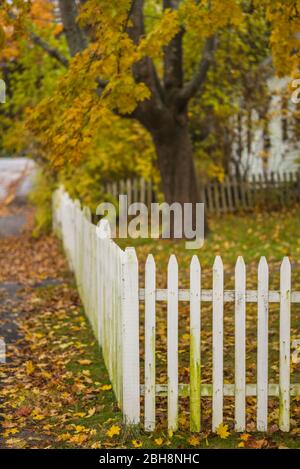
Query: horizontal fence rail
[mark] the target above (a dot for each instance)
(267, 191)
(108, 283)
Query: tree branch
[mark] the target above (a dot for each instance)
(76, 38)
(173, 73)
(51, 51)
(144, 70)
(191, 87)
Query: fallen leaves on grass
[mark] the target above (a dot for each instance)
(114, 430)
(222, 431)
(194, 440)
(137, 443)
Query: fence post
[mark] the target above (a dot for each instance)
(130, 338)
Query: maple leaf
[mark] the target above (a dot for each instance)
(85, 362)
(158, 441)
(91, 412)
(245, 436)
(106, 387)
(114, 430)
(29, 367)
(194, 441)
(96, 445)
(137, 443)
(256, 444)
(222, 431)
(10, 431)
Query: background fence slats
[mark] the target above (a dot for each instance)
(264, 191)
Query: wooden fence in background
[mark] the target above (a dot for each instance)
(108, 283)
(266, 191)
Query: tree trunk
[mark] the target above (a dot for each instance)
(174, 151)
(176, 164)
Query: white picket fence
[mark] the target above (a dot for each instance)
(108, 283)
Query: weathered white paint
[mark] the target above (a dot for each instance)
(262, 344)
(240, 345)
(172, 341)
(284, 342)
(218, 300)
(195, 354)
(150, 283)
(130, 338)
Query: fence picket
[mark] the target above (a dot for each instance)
(150, 282)
(172, 341)
(218, 300)
(130, 335)
(285, 327)
(240, 345)
(195, 356)
(262, 344)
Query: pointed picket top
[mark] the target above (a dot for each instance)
(263, 264)
(77, 203)
(240, 266)
(172, 262)
(87, 213)
(150, 261)
(195, 263)
(218, 263)
(285, 267)
(131, 256)
(103, 229)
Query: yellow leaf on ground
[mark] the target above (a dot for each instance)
(158, 441)
(106, 387)
(194, 441)
(96, 445)
(222, 431)
(137, 443)
(10, 431)
(114, 430)
(29, 367)
(84, 362)
(245, 436)
(91, 412)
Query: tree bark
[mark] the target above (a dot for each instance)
(174, 151)
(175, 161)
(74, 35)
